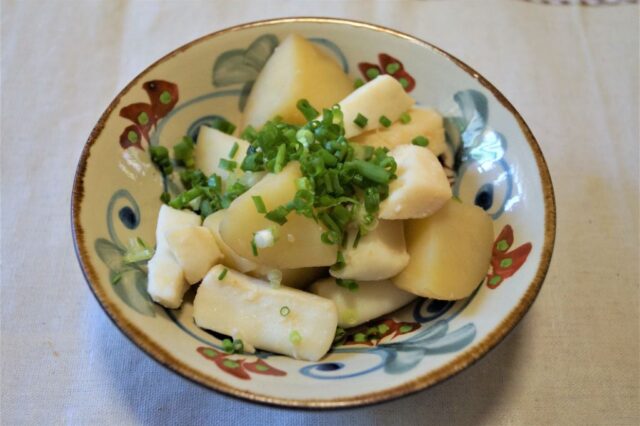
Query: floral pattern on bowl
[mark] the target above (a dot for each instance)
(496, 162)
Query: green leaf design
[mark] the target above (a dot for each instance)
(242, 66)
(132, 290)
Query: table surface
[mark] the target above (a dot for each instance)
(572, 72)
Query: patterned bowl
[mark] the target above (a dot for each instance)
(498, 166)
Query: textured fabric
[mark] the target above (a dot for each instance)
(571, 71)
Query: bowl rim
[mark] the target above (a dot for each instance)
(456, 365)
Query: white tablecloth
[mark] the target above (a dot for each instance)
(571, 71)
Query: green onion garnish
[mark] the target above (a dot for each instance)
(370, 171)
(259, 203)
(307, 110)
(340, 263)
(160, 157)
(227, 165)
(361, 121)
(280, 160)
(384, 121)
(350, 285)
(223, 274)
(356, 240)
(420, 141)
(254, 248)
(295, 337)
(359, 338)
(392, 68)
(137, 251)
(372, 73)
(183, 152)
(222, 125)
(358, 83)
(227, 346)
(405, 118)
(233, 150)
(284, 311)
(278, 215)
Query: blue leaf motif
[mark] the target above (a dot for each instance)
(242, 66)
(110, 254)
(132, 290)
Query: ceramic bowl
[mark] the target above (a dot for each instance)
(498, 166)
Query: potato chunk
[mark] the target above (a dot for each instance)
(369, 301)
(421, 188)
(380, 254)
(450, 252)
(381, 96)
(296, 70)
(230, 258)
(298, 244)
(212, 146)
(170, 219)
(282, 320)
(425, 122)
(195, 249)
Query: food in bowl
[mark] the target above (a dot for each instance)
(325, 185)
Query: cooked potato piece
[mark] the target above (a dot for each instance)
(369, 301)
(282, 320)
(170, 219)
(421, 188)
(212, 146)
(450, 252)
(381, 96)
(296, 278)
(380, 254)
(230, 258)
(425, 122)
(195, 249)
(166, 284)
(296, 70)
(298, 244)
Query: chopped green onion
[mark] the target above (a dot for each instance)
(305, 137)
(183, 152)
(303, 183)
(259, 203)
(356, 240)
(350, 285)
(358, 83)
(284, 311)
(420, 141)
(223, 274)
(227, 165)
(238, 346)
(165, 197)
(340, 263)
(392, 68)
(371, 171)
(278, 215)
(405, 118)
(233, 150)
(227, 346)
(306, 109)
(384, 121)
(160, 157)
(359, 338)
(254, 249)
(372, 73)
(361, 121)
(339, 336)
(295, 337)
(137, 251)
(223, 125)
(280, 160)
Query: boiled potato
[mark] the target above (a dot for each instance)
(282, 320)
(421, 188)
(298, 244)
(380, 254)
(381, 96)
(195, 249)
(170, 219)
(369, 301)
(165, 280)
(296, 278)
(296, 70)
(450, 252)
(212, 146)
(425, 122)
(230, 258)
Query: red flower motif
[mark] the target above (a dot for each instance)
(163, 96)
(372, 333)
(238, 367)
(388, 65)
(505, 263)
